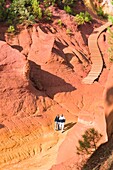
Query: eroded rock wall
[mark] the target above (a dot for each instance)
(36, 86)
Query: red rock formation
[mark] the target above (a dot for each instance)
(43, 82)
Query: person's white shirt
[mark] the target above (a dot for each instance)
(62, 121)
(61, 118)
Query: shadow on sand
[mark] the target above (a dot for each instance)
(1, 126)
(69, 126)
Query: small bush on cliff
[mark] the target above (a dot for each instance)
(11, 29)
(37, 11)
(101, 13)
(67, 5)
(47, 14)
(89, 142)
(83, 17)
(110, 19)
(49, 2)
(23, 10)
(69, 2)
(68, 31)
(68, 9)
(60, 23)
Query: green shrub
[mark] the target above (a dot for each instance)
(60, 23)
(69, 2)
(26, 11)
(37, 11)
(49, 2)
(17, 11)
(67, 5)
(48, 14)
(68, 9)
(11, 29)
(79, 19)
(68, 31)
(31, 18)
(100, 12)
(82, 17)
(87, 17)
(23, 10)
(110, 19)
(89, 142)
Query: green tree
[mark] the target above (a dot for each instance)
(89, 142)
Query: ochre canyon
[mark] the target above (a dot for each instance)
(45, 70)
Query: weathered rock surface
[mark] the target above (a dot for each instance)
(41, 76)
(21, 129)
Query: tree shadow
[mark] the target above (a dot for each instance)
(68, 126)
(99, 156)
(49, 83)
(1, 126)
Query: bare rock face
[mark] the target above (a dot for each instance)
(41, 77)
(41, 47)
(13, 79)
(21, 121)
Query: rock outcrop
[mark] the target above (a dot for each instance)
(22, 125)
(41, 75)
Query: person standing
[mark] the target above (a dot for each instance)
(57, 122)
(62, 122)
